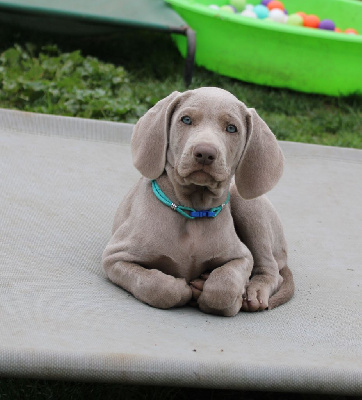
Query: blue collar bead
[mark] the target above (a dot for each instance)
(187, 212)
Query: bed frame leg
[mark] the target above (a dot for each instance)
(190, 55)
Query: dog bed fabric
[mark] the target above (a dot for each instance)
(61, 181)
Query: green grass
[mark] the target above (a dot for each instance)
(118, 78)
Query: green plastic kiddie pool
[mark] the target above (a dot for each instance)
(274, 54)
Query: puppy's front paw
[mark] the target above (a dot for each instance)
(221, 294)
(164, 291)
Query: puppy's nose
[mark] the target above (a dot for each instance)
(205, 153)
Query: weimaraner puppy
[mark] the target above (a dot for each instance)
(197, 226)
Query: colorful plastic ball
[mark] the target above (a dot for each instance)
(228, 8)
(277, 15)
(248, 13)
(238, 4)
(311, 21)
(249, 7)
(327, 24)
(295, 19)
(275, 4)
(351, 31)
(302, 14)
(214, 7)
(338, 30)
(261, 11)
(265, 2)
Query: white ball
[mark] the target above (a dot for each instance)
(248, 13)
(214, 7)
(249, 7)
(278, 15)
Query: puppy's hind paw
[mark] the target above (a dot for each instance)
(197, 286)
(255, 298)
(185, 293)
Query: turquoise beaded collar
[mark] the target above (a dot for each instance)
(211, 213)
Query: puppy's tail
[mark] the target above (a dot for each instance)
(286, 290)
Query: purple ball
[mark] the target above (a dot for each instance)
(265, 2)
(327, 24)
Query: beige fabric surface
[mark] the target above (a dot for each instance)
(61, 182)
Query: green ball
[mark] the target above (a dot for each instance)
(295, 19)
(238, 4)
(227, 8)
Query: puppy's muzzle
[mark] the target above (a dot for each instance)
(205, 153)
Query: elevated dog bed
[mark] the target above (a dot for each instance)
(61, 182)
(89, 17)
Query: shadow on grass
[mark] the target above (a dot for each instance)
(27, 389)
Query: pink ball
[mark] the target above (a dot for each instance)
(351, 31)
(327, 24)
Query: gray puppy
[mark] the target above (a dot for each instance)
(206, 161)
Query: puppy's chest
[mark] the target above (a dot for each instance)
(194, 247)
(199, 240)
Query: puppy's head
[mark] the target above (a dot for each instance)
(207, 135)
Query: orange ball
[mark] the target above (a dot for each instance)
(275, 4)
(351, 31)
(311, 21)
(337, 30)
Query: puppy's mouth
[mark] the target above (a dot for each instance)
(191, 172)
(200, 177)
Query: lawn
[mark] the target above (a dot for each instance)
(118, 78)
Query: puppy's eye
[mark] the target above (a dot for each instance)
(231, 128)
(186, 120)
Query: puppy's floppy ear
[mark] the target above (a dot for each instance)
(150, 137)
(261, 164)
